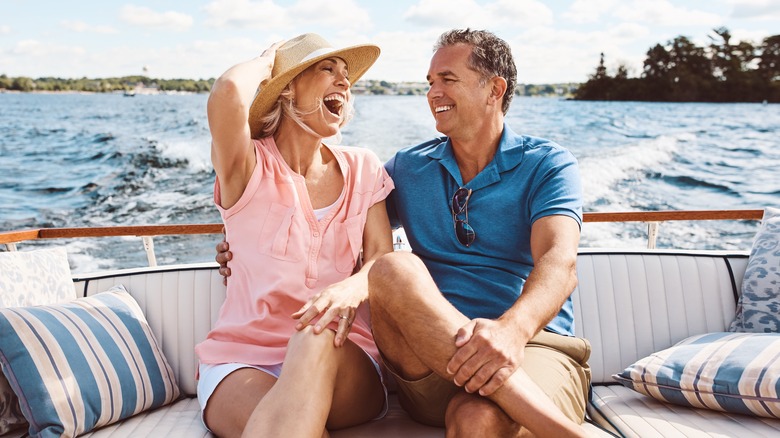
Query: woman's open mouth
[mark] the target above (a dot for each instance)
(334, 103)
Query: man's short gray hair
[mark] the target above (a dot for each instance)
(490, 57)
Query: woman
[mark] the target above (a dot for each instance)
(291, 353)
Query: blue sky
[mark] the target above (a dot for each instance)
(553, 41)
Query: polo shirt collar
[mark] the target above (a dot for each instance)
(507, 157)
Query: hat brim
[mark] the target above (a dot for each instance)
(359, 59)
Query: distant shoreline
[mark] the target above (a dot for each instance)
(137, 85)
(120, 92)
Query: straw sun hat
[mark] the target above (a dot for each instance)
(295, 56)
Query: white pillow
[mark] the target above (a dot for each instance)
(31, 278)
(758, 309)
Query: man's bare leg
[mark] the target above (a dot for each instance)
(406, 304)
(470, 415)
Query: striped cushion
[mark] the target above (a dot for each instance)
(732, 372)
(83, 364)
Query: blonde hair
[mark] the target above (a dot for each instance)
(285, 107)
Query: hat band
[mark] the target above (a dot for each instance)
(317, 53)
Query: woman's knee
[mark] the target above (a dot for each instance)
(307, 340)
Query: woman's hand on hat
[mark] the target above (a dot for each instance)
(267, 59)
(271, 51)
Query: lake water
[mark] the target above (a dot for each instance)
(104, 159)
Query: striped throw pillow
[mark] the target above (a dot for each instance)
(730, 372)
(83, 364)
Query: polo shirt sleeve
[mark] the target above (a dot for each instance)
(558, 189)
(392, 213)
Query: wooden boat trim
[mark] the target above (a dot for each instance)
(681, 215)
(146, 232)
(12, 237)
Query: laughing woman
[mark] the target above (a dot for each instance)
(291, 353)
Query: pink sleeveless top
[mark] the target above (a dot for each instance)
(282, 254)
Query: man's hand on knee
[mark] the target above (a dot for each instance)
(488, 354)
(223, 257)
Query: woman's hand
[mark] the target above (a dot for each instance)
(336, 303)
(339, 302)
(267, 58)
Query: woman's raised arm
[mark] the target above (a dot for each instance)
(228, 113)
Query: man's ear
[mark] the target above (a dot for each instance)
(497, 89)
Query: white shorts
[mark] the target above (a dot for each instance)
(212, 374)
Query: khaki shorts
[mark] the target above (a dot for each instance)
(558, 364)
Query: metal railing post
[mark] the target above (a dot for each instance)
(149, 248)
(652, 234)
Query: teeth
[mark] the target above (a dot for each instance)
(334, 103)
(337, 97)
(439, 109)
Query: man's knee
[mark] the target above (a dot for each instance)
(474, 415)
(390, 273)
(394, 266)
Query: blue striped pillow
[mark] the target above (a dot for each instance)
(731, 372)
(83, 364)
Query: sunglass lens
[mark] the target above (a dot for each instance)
(459, 200)
(464, 232)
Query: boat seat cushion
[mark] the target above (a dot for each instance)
(638, 416)
(758, 309)
(729, 372)
(182, 419)
(83, 364)
(29, 278)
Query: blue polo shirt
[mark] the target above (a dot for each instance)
(528, 178)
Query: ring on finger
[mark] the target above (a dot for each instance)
(349, 323)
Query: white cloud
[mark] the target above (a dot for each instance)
(664, 13)
(756, 9)
(405, 55)
(80, 26)
(334, 14)
(267, 15)
(589, 11)
(34, 48)
(755, 36)
(4, 29)
(628, 32)
(145, 17)
(246, 13)
(548, 55)
(468, 13)
(27, 56)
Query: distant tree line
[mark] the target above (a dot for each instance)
(681, 71)
(106, 85)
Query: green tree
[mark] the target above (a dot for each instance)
(769, 59)
(23, 84)
(598, 86)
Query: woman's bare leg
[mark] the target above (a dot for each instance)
(234, 400)
(319, 385)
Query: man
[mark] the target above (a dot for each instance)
(488, 214)
(476, 324)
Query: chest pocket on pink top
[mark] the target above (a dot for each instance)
(349, 235)
(277, 235)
